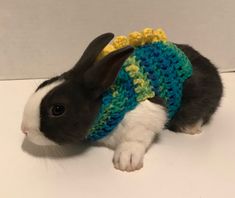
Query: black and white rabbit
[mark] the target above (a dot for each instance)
(63, 108)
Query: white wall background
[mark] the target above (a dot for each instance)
(40, 38)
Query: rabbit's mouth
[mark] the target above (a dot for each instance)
(38, 138)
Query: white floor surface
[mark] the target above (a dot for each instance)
(176, 166)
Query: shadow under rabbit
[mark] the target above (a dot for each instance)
(54, 151)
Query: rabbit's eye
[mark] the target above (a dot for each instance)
(57, 110)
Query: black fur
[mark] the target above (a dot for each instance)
(202, 92)
(80, 112)
(80, 92)
(83, 85)
(47, 82)
(91, 52)
(102, 75)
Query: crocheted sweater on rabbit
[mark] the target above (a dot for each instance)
(156, 67)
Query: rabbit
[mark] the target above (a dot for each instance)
(63, 109)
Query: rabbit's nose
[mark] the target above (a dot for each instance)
(24, 129)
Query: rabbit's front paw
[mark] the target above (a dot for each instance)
(129, 156)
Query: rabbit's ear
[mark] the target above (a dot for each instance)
(92, 51)
(104, 72)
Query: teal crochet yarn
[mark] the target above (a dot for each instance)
(158, 68)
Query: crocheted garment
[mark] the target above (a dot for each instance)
(156, 67)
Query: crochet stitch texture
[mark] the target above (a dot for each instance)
(157, 67)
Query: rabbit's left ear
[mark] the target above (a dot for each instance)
(104, 72)
(92, 51)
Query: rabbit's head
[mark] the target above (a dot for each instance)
(63, 109)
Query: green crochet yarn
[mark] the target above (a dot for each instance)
(158, 68)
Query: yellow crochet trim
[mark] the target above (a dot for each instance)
(140, 80)
(147, 35)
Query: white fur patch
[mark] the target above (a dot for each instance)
(31, 116)
(134, 135)
(193, 129)
(140, 124)
(129, 156)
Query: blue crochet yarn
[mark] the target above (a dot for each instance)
(158, 68)
(167, 68)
